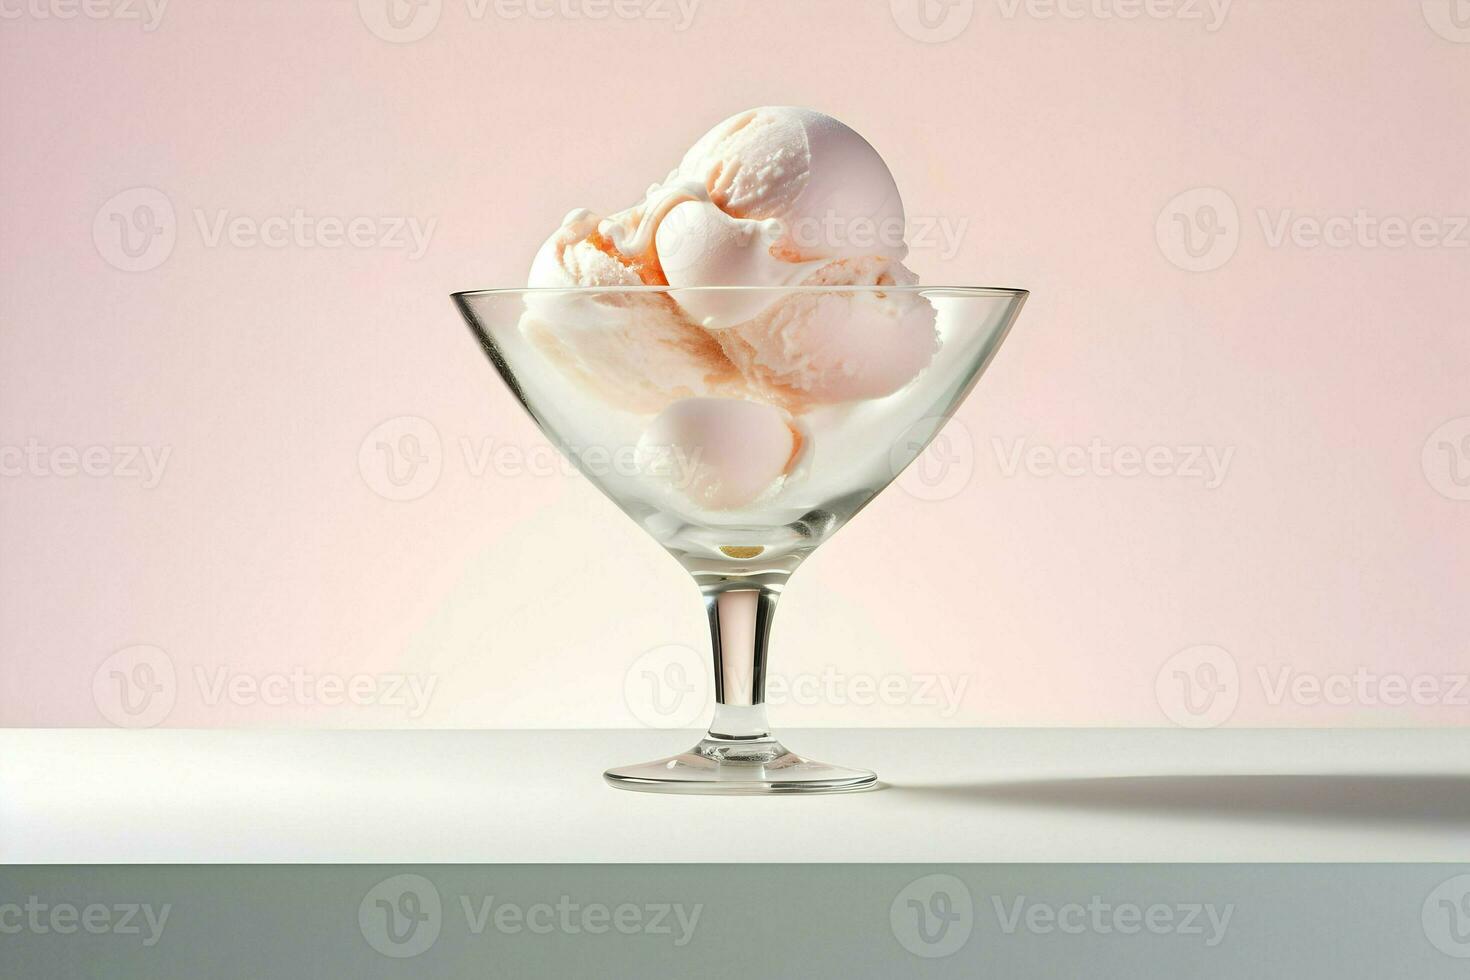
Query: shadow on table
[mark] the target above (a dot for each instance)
(1426, 800)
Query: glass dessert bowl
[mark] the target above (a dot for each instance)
(741, 449)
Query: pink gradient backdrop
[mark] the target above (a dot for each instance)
(1333, 544)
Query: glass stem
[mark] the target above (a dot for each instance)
(740, 623)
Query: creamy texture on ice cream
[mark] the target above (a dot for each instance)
(772, 197)
(637, 350)
(722, 453)
(823, 347)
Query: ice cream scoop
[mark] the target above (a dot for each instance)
(823, 346)
(789, 190)
(572, 257)
(805, 169)
(788, 203)
(721, 453)
(637, 350)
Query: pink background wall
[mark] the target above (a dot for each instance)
(260, 570)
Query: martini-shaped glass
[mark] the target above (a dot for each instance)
(596, 367)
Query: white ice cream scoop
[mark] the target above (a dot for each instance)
(830, 190)
(788, 191)
(721, 453)
(824, 346)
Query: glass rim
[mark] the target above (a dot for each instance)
(975, 291)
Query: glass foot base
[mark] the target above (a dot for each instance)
(729, 767)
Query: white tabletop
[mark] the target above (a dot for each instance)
(950, 795)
